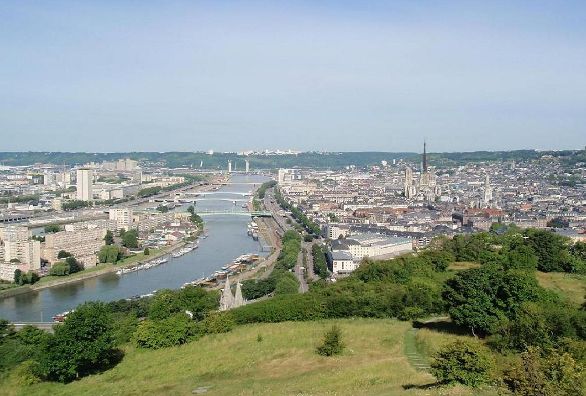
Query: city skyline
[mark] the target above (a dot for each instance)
(331, 77)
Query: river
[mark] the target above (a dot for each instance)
(227, 239)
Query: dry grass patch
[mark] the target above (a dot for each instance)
(570, 286)
(462, 265)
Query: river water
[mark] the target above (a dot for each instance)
(227, 239)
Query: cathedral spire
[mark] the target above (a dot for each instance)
(424, 156)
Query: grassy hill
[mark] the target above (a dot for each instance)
(570, 286)
(282, 363)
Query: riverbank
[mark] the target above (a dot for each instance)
(98, 270)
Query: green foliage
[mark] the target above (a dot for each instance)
(216, 322)
(194, 299)
(543, 324)
(28, 278)
(280, 309)
(74, 265)
(332, 343)
(18, 347)
(194, 217)
(148, 192)
(480, 298)
(75, 204)
(110, 254)
(260, 193)
(298, 214)
(59, 268)
(130, 239)
(26, 373)
(553, 374)
(162, 208)
(171, 331)
(320, 265)
(146, 251)
(464, 363)
(551, 250)
(51, 228)
(253, 289)
(63, 254)
(287, 283)
(109, 238)
(17, 276)
(83, 344)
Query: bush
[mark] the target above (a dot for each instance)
(175, 330)
(552, 375)
(109, 254)
(287, 284)
(59, 269)
(464, 363)
(216, 322)
(332, 342)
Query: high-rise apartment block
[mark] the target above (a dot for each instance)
(84, 184)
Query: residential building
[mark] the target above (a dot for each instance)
(84, 184)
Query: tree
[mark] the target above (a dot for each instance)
(59, 269)
(130, 239)
(481, 298)
(109, 238)
(83, 344)
(462, 362)
(146, 251)
(551, 250)
(287, 284)
(109, 254)
(17, 276)
(332, 342)
(63, 254)
(51, 228)
(74, 265)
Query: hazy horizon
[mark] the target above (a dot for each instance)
(331, 76)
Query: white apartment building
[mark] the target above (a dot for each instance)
(15, 244)
(84, 184)
(346, 254)
(123, 217)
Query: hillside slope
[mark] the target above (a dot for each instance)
(282, 363)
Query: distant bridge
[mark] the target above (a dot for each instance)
(218, 199)
(233, 213)
(244, 194)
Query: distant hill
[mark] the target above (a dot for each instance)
(305, 159)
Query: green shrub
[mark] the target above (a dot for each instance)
(175, 330)
(332, 342)
(216, 322)
(462, 362)
(556, 374)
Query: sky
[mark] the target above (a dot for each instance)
(112, 76)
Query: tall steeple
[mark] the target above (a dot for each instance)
(227, 299)
(238, 299)
(424, 157)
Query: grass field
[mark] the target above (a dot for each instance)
(462, 265)
(570, 286)
(283, 363)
